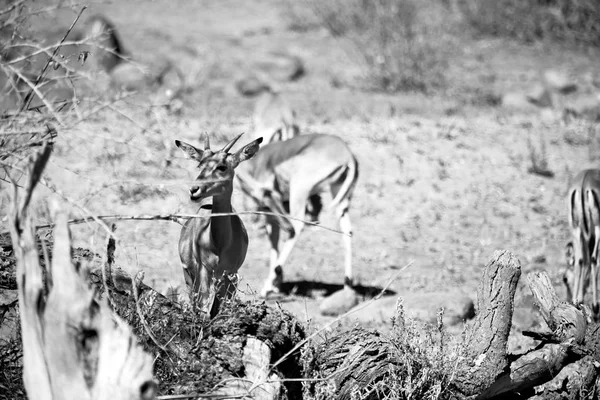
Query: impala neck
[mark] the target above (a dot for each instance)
(220, 227)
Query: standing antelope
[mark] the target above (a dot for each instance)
(212, 249)
(584, 220)
(284, 175)
(274, 119)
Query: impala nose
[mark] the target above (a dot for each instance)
(194, 191)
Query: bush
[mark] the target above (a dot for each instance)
(411, 362)
(400, 42)
(573, 21)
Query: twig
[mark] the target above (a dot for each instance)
(135, 283)
(75, 204)
(11, 7)
(29, 96)
(107, 267)
(175, 217)
(33, 89)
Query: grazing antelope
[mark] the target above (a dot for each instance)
(284, 175)
(125, 74)
(274, 119)
(584, 220)
(108, 49)
(212, 249)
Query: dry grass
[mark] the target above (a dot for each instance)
(400, 43)
(411, 362)
(564, 20)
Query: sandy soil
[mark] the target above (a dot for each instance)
(443, 181)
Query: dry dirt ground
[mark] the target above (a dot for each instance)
(443, 180)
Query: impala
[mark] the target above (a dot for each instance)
(284, 175)
(108, 50)
(213, 249)
(274, 119)
(584, 220)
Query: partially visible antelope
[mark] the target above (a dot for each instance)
(111, 56)
(274, 118)
(584, 220)
(213, 249)
(108, 50)
(284, 175)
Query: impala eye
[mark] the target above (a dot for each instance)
(222, 168)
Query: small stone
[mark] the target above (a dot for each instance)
(250, 85)
(339, 302)
(559, 81)
(540, 96)
(517, 100)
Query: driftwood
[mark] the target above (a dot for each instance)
(561, 347)
(487, 339)
(72, 347)
(563, 366)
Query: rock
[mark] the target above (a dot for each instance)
(559, 81)
(281, 66)
(421, 306)
(517, 101)
(339, 302)
(586, 106)
(540, 96)
(128, 76)
(250, 85)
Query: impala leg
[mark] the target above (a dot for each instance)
(594, 273)
(581, 267)
(219, 291)
(595, 221)
(346, 228)
(275, 274)
(568, 275)
(202, 292)
(297, 210)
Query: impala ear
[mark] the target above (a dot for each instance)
(189, 150)
(247, 152)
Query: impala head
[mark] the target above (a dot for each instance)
(216, 167)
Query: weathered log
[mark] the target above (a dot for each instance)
(565, 320)
(547, 363)
(259, 383)
(574, 381)
(72, 348)
(534, 368)
(486, 340)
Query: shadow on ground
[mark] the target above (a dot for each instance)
(306, 288)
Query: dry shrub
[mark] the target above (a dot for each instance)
(574, 21)
(408, 363)
(401, 43)
(298, 16)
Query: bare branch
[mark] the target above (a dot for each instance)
(28, 98)
(176, 217)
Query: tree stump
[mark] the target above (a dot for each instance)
(72, 346)
(486, 340)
